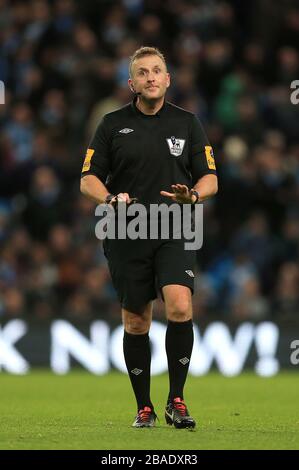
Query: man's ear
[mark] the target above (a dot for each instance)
(168, 84)
(131, 86)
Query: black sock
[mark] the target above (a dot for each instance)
(137, 355)
(179, 344)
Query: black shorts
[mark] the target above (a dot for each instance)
(140, 268)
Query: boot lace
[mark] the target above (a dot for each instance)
(180, 406)
(144, 415)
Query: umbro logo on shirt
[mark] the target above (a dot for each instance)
(126, 130)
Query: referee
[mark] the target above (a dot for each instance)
(158, 153)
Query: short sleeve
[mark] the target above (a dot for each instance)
(97, 161)
(201, 153)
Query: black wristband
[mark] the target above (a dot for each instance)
(195, 193)
(109, 198)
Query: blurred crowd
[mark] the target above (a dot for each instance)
(64, 64)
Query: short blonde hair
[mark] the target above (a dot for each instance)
(144, 51)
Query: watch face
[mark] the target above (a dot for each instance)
(195, 193)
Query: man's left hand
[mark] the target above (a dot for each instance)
(181, 193)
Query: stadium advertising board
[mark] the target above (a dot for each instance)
(61, 345)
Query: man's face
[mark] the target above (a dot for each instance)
(150, 77)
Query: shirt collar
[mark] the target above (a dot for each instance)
(140, 113)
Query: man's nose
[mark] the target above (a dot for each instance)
(151, 77)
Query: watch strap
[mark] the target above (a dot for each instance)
(195, 193)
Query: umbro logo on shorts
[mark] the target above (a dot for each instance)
(136, 371)
(189, 272)
(126, 130)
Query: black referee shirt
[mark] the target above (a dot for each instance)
(143, 154)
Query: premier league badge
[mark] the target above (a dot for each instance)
(176, 146)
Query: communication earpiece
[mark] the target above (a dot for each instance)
(134, 91)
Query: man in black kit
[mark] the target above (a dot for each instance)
(158, 153)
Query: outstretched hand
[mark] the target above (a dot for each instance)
(181, 193)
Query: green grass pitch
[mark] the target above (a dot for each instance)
(82, 411)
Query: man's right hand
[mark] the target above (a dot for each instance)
(122, 197)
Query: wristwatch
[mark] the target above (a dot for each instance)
(195, 193)
(109, 198)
